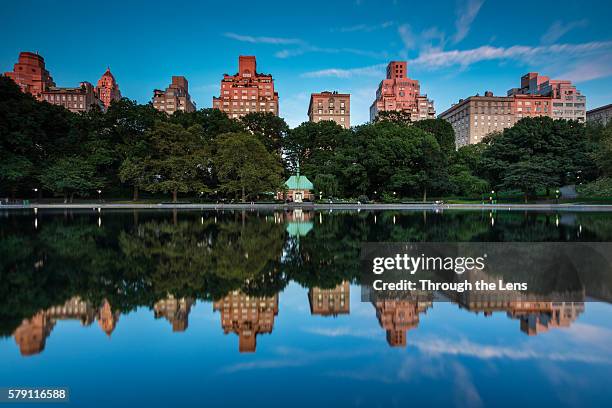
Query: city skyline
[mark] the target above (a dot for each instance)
(456, 52)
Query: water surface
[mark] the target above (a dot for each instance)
(247, 308)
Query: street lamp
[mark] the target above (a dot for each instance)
(320, 195)
(100, 195)
(557, 195)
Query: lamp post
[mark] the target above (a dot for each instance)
(99, 195)
(557, 195)
(320, 195)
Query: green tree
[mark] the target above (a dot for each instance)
(245, 167)
(558, 152)
(178, 160)
(268, 127)
(69, 176)
(442, 131)
(326, 184)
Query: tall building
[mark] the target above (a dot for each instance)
(176, 311)
(602, 115)
(174, 98)
(330, 106)
(32, 334)
(399, 316)
(31, 75)
(399, 93)
(79, 99)
(567, 102)
(330, 302)
(477, 116)
(108, 89)
(247, 316)
(247, 91)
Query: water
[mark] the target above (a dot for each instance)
(162, 308)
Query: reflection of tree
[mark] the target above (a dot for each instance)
(204, 259)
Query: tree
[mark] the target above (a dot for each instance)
(442, 131)
(178, 160)
(69, 176)
(245, 167)
(313, 146)
(398, 116)
(326, 184)
(558, 152)
(134, 172)
(268, 127)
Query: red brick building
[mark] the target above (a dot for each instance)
(31, 75)
(247, 91)
(108, 88)
(330, 106)
(399, 93)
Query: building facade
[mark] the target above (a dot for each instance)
(247, 91)
(477, 116)
(31, 75)
(602, 115)
(399, 93)
(330, 106)
(247, 316)
(330, 302)
(176, 97)
(108, 89)
(79, 99)
(567, 101)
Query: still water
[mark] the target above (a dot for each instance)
(206, 308)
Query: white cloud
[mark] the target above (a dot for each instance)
(372, 70)
(367, 28)
(588, 70)
(467, 11)
(286, 53)
(441, 59)
(263, 40)
(558, 29)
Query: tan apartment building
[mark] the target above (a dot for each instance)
(477, 116)
(602, 115)
(330, 106)
(78, 99)
(176, 97)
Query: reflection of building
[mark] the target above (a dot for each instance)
(175, 98)
(31, 75)
(176, 311)
(330, 302)
(399, 93)
(247, 316)
(330, 106)
(539, 317)
(247, 91)
(107, 320)
(32, 333)
(298, 222)
(399, 316)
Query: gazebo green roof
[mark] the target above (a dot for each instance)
(298, 182)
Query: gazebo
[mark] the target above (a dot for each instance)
(298, 189)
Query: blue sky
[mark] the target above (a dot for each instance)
(456, 48)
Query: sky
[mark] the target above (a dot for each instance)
(455, 48)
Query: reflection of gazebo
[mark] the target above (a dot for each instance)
(298, 189)
(299, 223)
